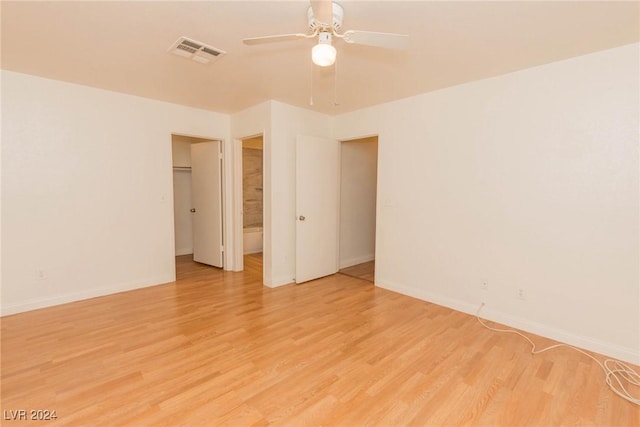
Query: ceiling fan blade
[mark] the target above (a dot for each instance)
(369, 38)
(322, 11)
(271, 39)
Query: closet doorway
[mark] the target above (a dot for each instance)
(197, 188)
(358, 191)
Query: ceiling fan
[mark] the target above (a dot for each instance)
(325, 22)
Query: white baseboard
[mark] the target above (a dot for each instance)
(184, 251)
(611, 350)
(78, 296)
(279, 281)
(356, 260)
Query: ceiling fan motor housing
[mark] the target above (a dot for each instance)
(338, 17)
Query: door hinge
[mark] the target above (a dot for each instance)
(221, 248)
(220, 156)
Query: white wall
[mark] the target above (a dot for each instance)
(358, 177)
(287, 122)
(87, 203)
(529, 180)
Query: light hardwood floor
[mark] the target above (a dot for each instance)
(218, 348)
(364, 271)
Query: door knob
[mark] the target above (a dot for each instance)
(301, 218)
(193, 210)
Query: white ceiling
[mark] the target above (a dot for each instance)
(122, 46)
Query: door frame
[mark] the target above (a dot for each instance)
(238, 243)
(227, 258)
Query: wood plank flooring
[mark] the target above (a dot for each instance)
(364, 271)
(218, 348)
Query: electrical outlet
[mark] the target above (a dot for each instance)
(520, 294)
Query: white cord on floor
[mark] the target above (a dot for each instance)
(616, 373)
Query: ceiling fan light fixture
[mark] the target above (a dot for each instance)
(323, 54)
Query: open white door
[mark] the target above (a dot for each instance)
(317, 198)
(206, 197)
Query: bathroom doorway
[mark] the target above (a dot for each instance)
(252, 195)
(358, 190)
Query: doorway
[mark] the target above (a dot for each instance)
(197, 188)
(358, 190)
(252, 195)
(256, 244)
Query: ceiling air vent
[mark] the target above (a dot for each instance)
(197, 51)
